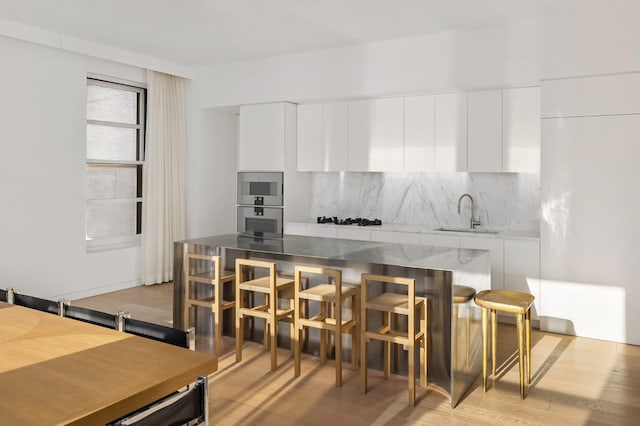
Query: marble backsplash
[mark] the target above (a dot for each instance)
(503, 201)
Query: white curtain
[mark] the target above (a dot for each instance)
(163, 207)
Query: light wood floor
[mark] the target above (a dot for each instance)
(576, 381)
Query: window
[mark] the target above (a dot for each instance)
(115, 157)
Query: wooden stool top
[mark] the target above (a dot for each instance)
(505, 300)
(462, 293)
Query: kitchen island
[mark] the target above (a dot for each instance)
(454, 345)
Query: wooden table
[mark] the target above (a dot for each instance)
(57, 370)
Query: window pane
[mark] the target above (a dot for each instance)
(107, 218)
(112, 181)
(107, 104)
(112, 143)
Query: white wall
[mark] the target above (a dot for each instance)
(211, 170)
(42, 175)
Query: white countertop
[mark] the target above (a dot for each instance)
(418, 229)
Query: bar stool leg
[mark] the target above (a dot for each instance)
(485, 347)
(355, 332)
(323, 335)
(521, 352)
(338, 342)
(423, 345)
(387, 348)
(494, 341)
(527, 324)
(273, 332)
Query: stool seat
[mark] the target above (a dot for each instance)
(394, 303)
(263, 284)
(462, 293)
(505, 301)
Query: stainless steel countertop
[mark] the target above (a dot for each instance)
(373, 252)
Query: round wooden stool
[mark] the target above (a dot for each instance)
(515, 303)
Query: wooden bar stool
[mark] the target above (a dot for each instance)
(331, 297)
(461, 296)
(212, 275)
(272, 288)
(492, 301)
(414, 308)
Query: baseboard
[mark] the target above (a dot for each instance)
(97, 290)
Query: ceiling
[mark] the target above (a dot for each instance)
(205, 32)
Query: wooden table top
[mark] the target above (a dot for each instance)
(56, 370)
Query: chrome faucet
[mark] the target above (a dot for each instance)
(473, 221)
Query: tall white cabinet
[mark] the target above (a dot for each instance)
(589, 185)
(521, 130)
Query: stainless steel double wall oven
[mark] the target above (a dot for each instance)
(260, 204)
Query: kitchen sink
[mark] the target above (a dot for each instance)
(468, 230)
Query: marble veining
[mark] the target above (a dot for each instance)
(503, 201)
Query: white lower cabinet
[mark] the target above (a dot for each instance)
(396, 237)
(324, 231)
(440, 240)
(496, 249)
(522, 269)
(295, 229)
(351, 233)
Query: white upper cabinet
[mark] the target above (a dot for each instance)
(322, 137)
(375, 135)
(451, 132)
(588, 96)
(419, 133)
(521, 130)
(262, 136)
(361, 128)
(484, 122)
(387, 152)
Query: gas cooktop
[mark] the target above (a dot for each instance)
(349, 221)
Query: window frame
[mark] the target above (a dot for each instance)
(122, 241)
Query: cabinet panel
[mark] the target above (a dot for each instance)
(310, 140)
(322, 137)
(440, 240)
(334, 134)
(496, 248)
(521, 130)
(588, 96)
(522, 269)
(484, 122)
(387, 151)
(451, 132)
(396, 237)
(326, 231)
(419, 133)
(261, 137)
(361, 129)
(349, 233)
(295, 229)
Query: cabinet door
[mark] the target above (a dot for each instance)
(334, 136)
(440, 240)
(351, 233)
(485, 131)
(451, 132)
(496, 248)
(396, 237)
(521, 130)
(361, 128)
(261, 139)
(310, 140)
(419, 133)
(387, 151)
(522, 269)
